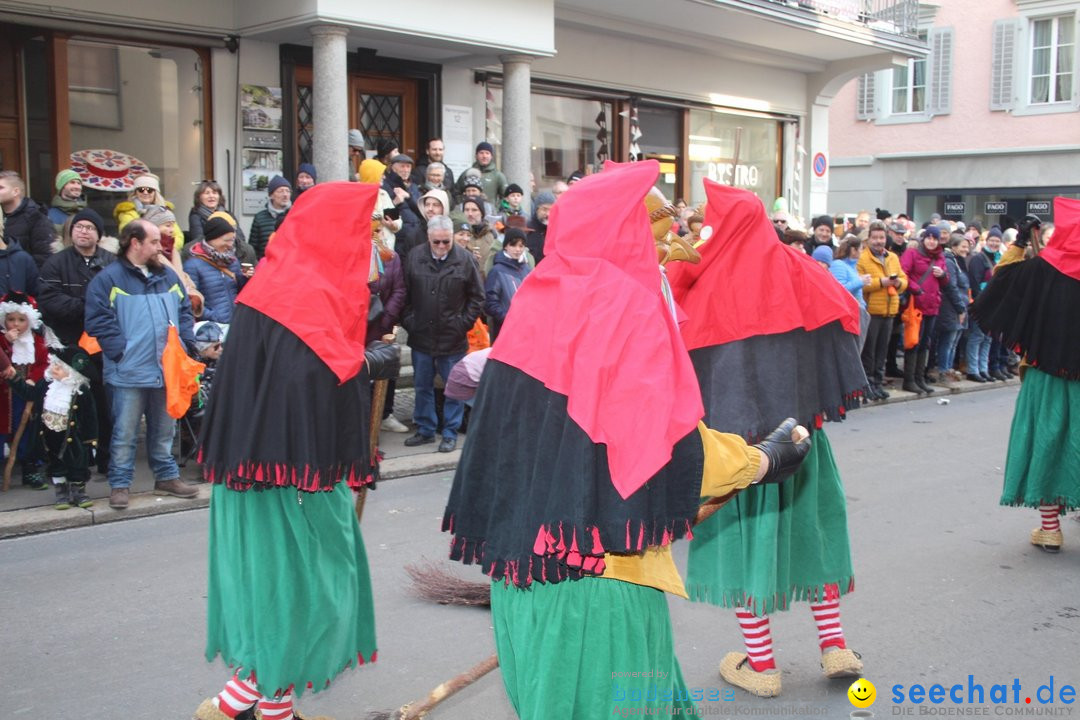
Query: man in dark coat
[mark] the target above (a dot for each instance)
(62, 299)
(445, 297)
(538, 224)
(26, 223)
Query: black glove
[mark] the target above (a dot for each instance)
(383, 360)
(784, 455)
(1023, 233)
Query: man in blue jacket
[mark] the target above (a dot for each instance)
(129, 308)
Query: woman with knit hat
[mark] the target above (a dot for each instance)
(216, 271)
(145, 195)
(372, 171)
(928, 284)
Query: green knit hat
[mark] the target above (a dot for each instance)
(64, 177)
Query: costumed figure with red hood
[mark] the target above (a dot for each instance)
(771, 335)
(587, 458)
(1034, 306)
(24, 339)
(284, 442)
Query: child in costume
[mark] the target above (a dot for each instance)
(285, 440)
(572, 507)
(1034, 305)
(771, 335)
(63, 424)
(24, 341)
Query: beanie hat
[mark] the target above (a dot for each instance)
(309, 169)
(545, 197)
(882, 214)
(823, 253)
(92, 216)
(215, 228)
(277, 182)
(148, 180)
(208, 333)
(159, 215)
(462, 226)
(64, 177)
(473, 181)
(932, 231)
(995, 231)
(383, 147)
(821, 220)
(356, 139)
(485, 145)
(574, 177)
(513, 235)
(514, 188)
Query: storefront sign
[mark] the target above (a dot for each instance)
(1038, 207)
(954, 208)
(996, 207)
(746, 176)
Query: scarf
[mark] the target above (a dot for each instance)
(218, 259)
(274, 212)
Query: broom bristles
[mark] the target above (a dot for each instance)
(431, 582)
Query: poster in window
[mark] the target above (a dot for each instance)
(260, 107)
(259, 167)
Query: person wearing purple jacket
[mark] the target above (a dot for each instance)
(927, 275)
(389, 288)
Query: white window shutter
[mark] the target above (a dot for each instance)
(940, 71)
(1002, 55)
(864, 97)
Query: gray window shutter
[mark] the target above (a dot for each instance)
(864, 97)
(1002, 55)
(940, 71)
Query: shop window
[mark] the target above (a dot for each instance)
(711, 149)
(568, 134)
(143, 104)
(94, 85)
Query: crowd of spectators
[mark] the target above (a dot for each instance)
(451, 254)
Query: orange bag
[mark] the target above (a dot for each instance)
(912, 318)
(89, 343)
(478, 336)
(181, 375)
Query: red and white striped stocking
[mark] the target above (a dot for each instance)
(238, 696)
(280, 707)
(1051, 517)
(758, 639)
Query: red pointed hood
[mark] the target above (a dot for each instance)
(748, 283)
(314, 280)
(1063, 250)
(590, 322)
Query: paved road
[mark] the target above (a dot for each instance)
(107, 621)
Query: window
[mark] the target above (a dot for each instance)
(916, 92)
(1052, 48)
(909, 86)
(94, 85)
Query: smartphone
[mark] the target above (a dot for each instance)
(392, 213)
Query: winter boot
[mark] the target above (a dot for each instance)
(78, 495)
(920, 371)
(33, 476)
(909, 373)
(63, 496)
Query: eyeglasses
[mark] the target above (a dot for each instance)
(440, 242)
(144, 189)
(84, 227)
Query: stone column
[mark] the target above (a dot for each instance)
(517, 122)
(330, 143)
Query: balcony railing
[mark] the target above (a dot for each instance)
(895, 16)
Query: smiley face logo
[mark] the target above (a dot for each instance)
(862, 693)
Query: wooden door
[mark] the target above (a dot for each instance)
(10, 92)
(386, 107)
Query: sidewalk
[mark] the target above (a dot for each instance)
(24, 511)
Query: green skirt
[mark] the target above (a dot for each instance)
(773, 544)
(589, 648)
(1043, 463)
(289, 594)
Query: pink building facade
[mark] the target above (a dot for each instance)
(988, 124)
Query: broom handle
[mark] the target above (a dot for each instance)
(449, 688)
(378, 403)
(14, 449)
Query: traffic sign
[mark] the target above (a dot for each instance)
(996, 207)
(954, 208)
(1038, 207)
(820, 164)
